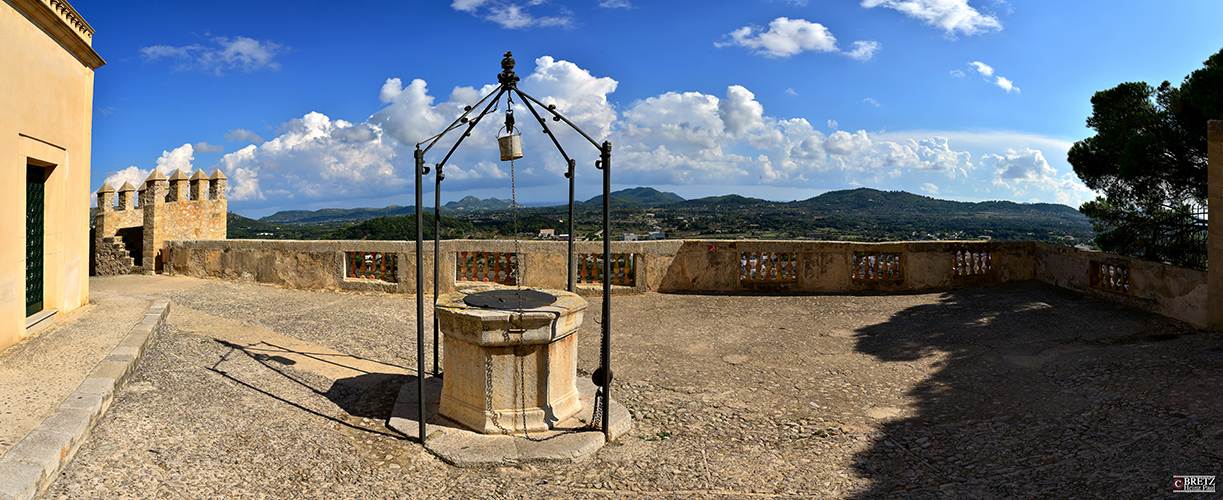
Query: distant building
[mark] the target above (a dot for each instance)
(46, 121)
(547, 234)
(562, 237)
(630, 236)
(658, 235)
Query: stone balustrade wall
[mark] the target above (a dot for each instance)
(720, 266)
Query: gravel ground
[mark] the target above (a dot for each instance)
(1016, 391)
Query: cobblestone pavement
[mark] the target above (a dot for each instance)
(1017, 391)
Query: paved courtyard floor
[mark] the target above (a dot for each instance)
(1016, 391)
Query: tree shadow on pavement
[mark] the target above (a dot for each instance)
(1028, 391)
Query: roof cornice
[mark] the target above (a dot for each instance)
(65, 24)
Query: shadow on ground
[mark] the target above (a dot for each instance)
(368, 395)
(1043, 396)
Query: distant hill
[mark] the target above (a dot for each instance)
(729, 201)
(861, 214)
(239, 227)
(639, 196)
(402, 228)
(867, 200)
(471, 204)
(336, 215)
(645, 196)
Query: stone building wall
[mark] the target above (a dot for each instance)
(112, 259)
(47, 65)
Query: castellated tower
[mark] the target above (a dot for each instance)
(174, 208)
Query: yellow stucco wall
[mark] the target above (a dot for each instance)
(45, 119)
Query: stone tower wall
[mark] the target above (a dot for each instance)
(169, 209)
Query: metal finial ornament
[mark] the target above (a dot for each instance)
(507, 76)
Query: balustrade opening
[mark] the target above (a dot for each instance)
(967, 262)
(877, 266)
(623, 268)
(1110, 277)
(494, 267)
(768, 266)
(371, 266)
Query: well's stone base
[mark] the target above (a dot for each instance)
(570, 440)
(510, 371)
(505, 390)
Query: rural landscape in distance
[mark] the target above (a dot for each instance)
(849, 215)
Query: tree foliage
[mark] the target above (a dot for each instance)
(403, 228)
(1148, 158)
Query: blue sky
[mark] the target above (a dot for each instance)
(308, 105)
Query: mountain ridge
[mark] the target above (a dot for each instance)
(862, 213)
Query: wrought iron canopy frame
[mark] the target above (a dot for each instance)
(508, 84)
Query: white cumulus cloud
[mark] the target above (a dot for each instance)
(673, 138)
(1025, 170)
(221, 55)
(864, 50)
(845, 143)
(179, 158)
(243, 135)
(1006, 85)
(787, 37)
(204, 147)
(316, 157)
(984, 69)
(987, 72)
(952, 16)
(521, 15)
(132, 174)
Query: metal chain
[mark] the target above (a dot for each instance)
(488, 393)
(517, 249)
(518, 359)
(488, 386)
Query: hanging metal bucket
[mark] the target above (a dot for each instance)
(511, 147)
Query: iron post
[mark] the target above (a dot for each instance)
(569, 174)
(420, 295)
(437, 238)
(605, 355)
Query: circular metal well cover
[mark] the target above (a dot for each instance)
(509, 299)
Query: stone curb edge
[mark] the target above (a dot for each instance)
(32, 465)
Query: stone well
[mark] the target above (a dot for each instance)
(510, 371)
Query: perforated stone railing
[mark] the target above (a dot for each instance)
(495, 267)
(768, 266)
(1110, 277)
(371, 266)
(971, 262)
(877, 266)
(589, 268)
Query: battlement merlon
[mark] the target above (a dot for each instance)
(106, 198)
(198, 179)
(127, 197)
(216, 185)
(178, 187)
